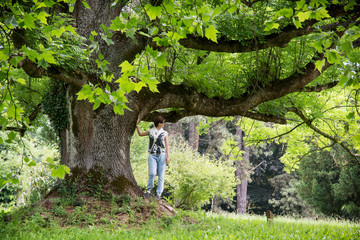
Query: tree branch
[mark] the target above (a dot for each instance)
(23, 129)
(280, 39)
(317, 130)
(280, 135)
(319, 88)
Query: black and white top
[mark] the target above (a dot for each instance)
(157, 147)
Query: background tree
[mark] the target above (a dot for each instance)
(121, 60)
(329, 185)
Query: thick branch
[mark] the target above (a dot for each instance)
(280, 39)
(195, 103)
(75, 78)
(317, 130)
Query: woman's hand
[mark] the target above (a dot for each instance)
(138, 121)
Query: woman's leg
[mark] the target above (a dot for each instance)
(161, 173)
(152, 171)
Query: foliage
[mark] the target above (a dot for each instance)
(332, 116)
(196, 178)
(34, 178)
(289, 203)
(329, 185)
(55, 106)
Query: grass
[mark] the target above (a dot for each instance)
(36, 223)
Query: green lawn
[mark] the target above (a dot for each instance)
(187, 225)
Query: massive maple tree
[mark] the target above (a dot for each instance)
(121, 60)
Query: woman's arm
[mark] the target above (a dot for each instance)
(139, 131)
(167, 149)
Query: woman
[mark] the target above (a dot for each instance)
(158, 154)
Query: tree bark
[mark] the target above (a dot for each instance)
(96, 146)
(242, 173)
(193, 136)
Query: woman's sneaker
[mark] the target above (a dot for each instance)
(147, 195)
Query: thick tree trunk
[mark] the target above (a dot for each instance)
(96, 146)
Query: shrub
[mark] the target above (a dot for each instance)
(196, 178)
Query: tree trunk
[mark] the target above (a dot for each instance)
(96, 146)
(241, 174)
(193, 136)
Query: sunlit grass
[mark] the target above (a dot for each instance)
(192, 225)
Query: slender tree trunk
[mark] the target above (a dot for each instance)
(193, 135)
(241, 174)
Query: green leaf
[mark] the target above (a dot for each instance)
(346, 47)
(153, 31)
(48, 57)
(71, 29)
(126, 67)
(11, 21)
(60, 171)
(21, 81)
(139, 86)
(210, 33)
(321, 13)
(117, 25)
(356, 138)
(58, 32)
(343, 80)
(319, 64)
(12, 135)
(14, 112)
(42, 17)
(118, 109)
(86, 5)
(161, 61)
(29, 21)
(271, 25)
(287, 12)
(153, 12)
(32, 164)
(350, 115)
(27, 159)
(42, 63)
(97, 104)
(3, 56)
(332, 57)
(296, 23)
(303, 16)
(300, 4)
(49, 160)
(85, 92)
(14, 180)
(169, 6)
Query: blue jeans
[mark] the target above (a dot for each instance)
(157, 164)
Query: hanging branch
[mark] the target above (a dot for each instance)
(317, 130)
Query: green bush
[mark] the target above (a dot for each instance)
(196, 178)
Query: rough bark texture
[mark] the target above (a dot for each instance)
(97, 144)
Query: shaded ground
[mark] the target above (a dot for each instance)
(89, 210)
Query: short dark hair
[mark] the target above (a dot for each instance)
(159, 119)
